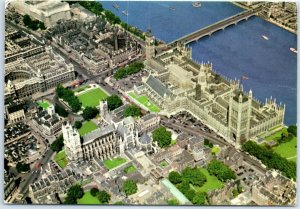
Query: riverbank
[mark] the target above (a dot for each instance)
(269, 20)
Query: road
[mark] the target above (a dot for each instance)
(34, 174)
(213, 138)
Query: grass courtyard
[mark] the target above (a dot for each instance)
(275, 136)
(211, 183)
(44, 104)
(215, 149)
(61, 159)
(130, 169)
(163, 164)
(143, 100)
(88, 199)
(87, 127)
(287, 150)
(115, 162)
(92, 97)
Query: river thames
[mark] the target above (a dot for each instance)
(237, 51)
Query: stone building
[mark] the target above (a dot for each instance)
(39, 72)
(15, 113)
(274, 189)
(222, 196)
(95, 43)
(48, 11)
(43, 191)
(9, 186)
(177, 83)
(47, 121)
(148, 123)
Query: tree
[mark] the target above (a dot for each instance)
(69, 97)
(175, 177)
(220, 170)
(22, 167)
(206, 142)
(77, 124)
(94, 191)
(162, 136)
(199, 198)
(194, 176)
(114, 102)
(271, 159)
(75, 192)
(89, 113)
(173, 202)
(103, 196)
(58, 144)
(132, 111)
(61, 111)
(70, 200)
(292, 129)
(129, 187)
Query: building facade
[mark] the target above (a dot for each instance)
(177, 83)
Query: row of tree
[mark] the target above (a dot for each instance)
(133, 111)
(61, 111)
(58, 144)
(162, 136)
(114, 102)
(102, 195)
(271, 159)
(89, 113)
(33, 24)
(129, 70)
(68, 96)
(22, 167)
(220, 170)
(189, 176)
(97, 8)
(74, 192)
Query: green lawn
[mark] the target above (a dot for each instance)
(92, 97)
(215, 149)
(87, 127)
(88, 199)
(61, 159)
(143, 100)
(44, 104)
(130, 169)
(212, 183)
(163, 164)
(112, 163)
(288, 149)
(82, 88)
(274, 136)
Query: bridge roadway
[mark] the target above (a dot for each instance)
(221, 25)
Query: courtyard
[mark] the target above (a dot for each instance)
(91, 98)
(61, 159)
(115, 162)
(44, 104)
(88, 199)
(87, 127)
(144, 101)
(211, 183)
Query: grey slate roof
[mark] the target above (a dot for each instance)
(145, 139)
(158, 86)
(97, 133)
